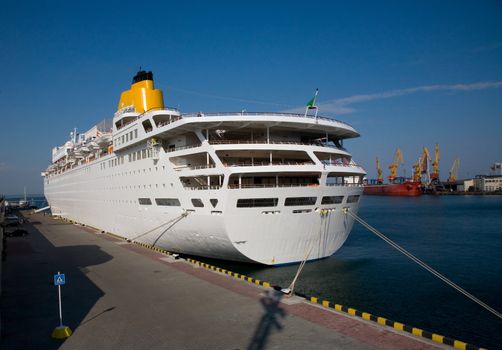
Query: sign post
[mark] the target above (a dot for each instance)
(60, 332)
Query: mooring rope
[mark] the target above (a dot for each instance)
(291, 287)
(422, 264)
(290, 290)
(184, 214)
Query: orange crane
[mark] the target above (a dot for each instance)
(453, 174)
(379, 172)
(424, 164)
(417, 170)
(398, 157)
(435, 165)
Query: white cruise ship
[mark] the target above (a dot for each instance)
(267, 188)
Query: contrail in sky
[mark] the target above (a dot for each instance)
(343, 105)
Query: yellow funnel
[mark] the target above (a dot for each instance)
(142, 95)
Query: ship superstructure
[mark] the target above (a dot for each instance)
(254, 187)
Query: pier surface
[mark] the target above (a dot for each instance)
(122, 296)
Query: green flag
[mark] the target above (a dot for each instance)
(311, 103)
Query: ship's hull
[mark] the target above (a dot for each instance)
(405, 189)
(108, 200)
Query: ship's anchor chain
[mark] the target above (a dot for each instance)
(421, 263)
(172, 222)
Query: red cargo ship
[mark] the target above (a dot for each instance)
(405, 188)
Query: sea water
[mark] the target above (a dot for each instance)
(35, 200)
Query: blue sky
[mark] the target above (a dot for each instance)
(404, 73)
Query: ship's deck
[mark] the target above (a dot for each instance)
(243, 120)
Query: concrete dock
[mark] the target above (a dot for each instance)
(122, 296)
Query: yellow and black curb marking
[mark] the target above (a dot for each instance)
(230, 273)
(204, 265)
(151, 247)
(457, 344)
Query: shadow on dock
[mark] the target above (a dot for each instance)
(29, 298)
(269, 321)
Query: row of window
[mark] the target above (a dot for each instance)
(131, 135)
(141, 154)
(138, 155)
(174, 202)
(169, 202)
(292, 201)
(114, 162)
(253, 202)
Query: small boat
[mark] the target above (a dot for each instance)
(23, 203)
(104, 140)
(93, 146)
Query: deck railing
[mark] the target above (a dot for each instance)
(167, 122)
(194, 167)
(241, 186)
(199, 188)
(258, 114)
(217, 114)
(244, 186)
(261, 142)
(238, 142)
(193, 145)
(248, 186)
(244, 114)
(350, 165)
(228, 164)
(346, 185)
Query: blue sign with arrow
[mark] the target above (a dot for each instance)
(59, 279)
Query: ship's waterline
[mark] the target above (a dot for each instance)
(256, 187)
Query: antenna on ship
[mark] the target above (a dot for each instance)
(73, 135)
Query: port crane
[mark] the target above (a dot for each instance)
(424, 166)
(435, 165)
(398, 157)
(379, 172)
(433, 183)
(417, 170)
(453, 174)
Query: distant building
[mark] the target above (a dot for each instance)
(465, 185)
(483, 183)
(491, 183)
